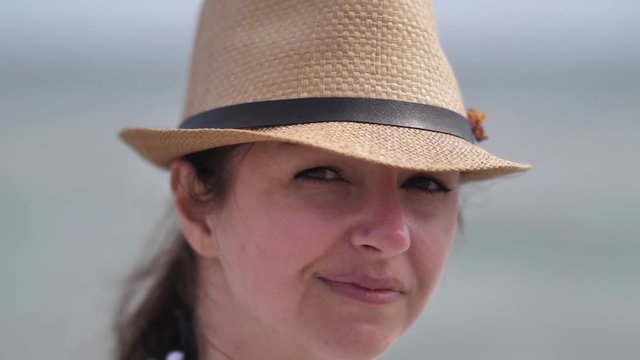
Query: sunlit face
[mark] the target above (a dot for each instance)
(323, 255)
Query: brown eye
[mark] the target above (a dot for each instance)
(323, 173)
(428, 184)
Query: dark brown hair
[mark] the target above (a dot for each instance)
(154, 315)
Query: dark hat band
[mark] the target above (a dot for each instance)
(313, 110)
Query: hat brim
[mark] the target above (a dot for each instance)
(407, 148)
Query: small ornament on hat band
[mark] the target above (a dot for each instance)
(476, 118)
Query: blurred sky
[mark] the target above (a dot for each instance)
(545, 268)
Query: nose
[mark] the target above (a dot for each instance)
(382, 230)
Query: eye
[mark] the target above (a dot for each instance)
(320, 173)
(426, 183)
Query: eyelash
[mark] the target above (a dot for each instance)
(329, 173)
(440, 186)
(320, 174)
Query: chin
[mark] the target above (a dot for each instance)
(359, 342)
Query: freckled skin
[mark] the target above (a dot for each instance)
(285, 227)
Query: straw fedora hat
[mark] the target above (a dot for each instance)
(366, 79)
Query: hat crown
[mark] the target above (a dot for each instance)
(248, 51)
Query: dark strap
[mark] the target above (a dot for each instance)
(313, 110)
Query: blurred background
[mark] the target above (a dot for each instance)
(546, 266)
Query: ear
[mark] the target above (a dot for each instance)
(192, 217)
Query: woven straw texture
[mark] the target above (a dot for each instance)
(264, 50)
(247, 51)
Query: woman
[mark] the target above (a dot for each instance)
(315, 178)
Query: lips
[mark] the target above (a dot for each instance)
(366, 289)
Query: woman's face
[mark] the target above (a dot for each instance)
(325, 255)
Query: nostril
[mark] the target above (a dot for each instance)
(370, 247)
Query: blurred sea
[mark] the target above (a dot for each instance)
(546, 266)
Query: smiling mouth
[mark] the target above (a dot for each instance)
(365, 289)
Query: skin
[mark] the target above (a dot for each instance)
(297, 219)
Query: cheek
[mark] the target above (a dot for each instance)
(274, 247)
(294, 237)
(268, 256)
(432, 237)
